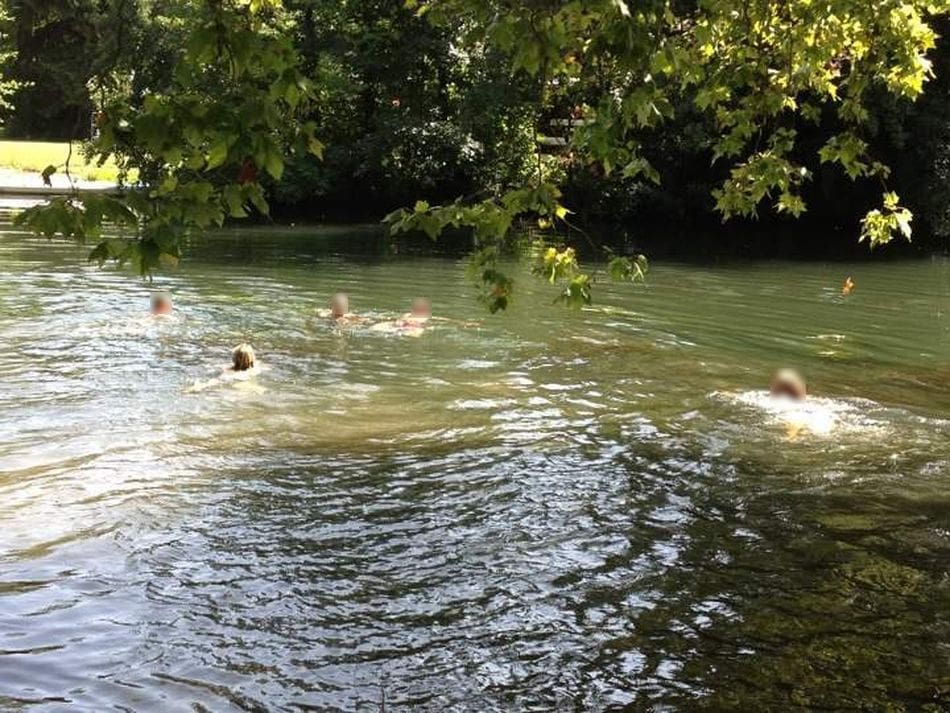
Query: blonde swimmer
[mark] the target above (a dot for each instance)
(244, 366)
(243, 358)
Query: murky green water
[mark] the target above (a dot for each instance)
(553, 511)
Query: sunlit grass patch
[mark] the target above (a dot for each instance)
(35, 156)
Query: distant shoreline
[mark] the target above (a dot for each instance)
(17, 182)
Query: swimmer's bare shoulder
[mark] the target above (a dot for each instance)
(228, 375)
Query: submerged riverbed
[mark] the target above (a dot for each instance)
(549, 511)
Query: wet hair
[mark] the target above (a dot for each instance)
(788, 382)
(243, 357)
(421, 304)
(160, 301)
(340, 300)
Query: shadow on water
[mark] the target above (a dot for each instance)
(549, 511)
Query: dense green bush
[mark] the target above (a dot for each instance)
(410, 108)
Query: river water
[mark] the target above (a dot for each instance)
(546, 511)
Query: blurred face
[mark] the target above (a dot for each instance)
(788, 383)
(339, 305)
(161, 304)
(421, 307)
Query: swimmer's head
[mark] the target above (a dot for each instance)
(243, 357)
(339, 305)
(421, 307)
(161, 303)
(788, 382)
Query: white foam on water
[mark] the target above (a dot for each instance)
(816, 415)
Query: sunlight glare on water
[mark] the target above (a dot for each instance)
(548, 510)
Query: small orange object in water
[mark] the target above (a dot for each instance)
(848, 287)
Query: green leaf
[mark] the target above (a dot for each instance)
(292, 95)
(234, 200)
(577, 293)
(168, 185)
(316, 147)
(625, 269)
(274, 165)
(218, 154)
(256, 196)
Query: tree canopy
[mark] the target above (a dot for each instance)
(484, 109)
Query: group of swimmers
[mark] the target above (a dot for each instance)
(412, 322)
(244, 360)
(786, 383)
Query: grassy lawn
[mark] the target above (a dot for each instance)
(37, 155)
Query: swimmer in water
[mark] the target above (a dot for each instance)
(243, 358)
(339, 312)
(415, 322)
(161, 304)
(412, 324)
(339, 306)
(788, 404)
(788, 383)
(418, 316)
(244, 365)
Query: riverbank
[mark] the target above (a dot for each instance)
(25, 159)
(17, 182)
